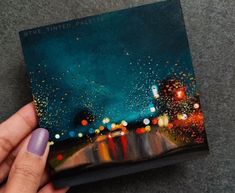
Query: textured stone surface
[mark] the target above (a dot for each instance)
(211, 30)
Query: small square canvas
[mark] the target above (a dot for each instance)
(116, 91)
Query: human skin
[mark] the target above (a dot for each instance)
(23, 154)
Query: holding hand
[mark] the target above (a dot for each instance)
(23, 154)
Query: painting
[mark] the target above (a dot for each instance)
(115, 88)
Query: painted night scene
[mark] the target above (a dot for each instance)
(117, 87)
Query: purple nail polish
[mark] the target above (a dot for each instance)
(38, 141)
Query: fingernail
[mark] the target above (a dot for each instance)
(38, 141)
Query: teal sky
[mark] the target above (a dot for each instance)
(106, 64)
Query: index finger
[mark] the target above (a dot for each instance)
(16, 128)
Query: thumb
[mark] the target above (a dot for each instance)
(29, 165)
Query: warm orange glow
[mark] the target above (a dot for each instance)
(118, 126)
(196, 119)
(84, 122)
(170, 125)
(101, 128)
(155, 121)
(122, 133)
(101, 138)
(180, 94)
(147, 128)
(103, 152)
(140, 130)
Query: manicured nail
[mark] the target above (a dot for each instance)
(38, 141)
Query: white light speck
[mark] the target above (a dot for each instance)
(155, 91)
(57, 136)
(122, 133)
(152, 109)
(106, 120)
(124, 123)
(184, 116)
(146, 121)
(196, 106)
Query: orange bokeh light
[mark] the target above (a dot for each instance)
(101, 128)
(84, 122)
(155, 121)
(140, 130)
(170, 125)
(180, 94)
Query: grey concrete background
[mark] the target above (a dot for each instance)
(211, 30)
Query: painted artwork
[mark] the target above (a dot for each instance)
(117, 87)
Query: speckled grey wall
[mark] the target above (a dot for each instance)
(211, 30)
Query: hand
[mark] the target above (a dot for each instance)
(23, 154)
